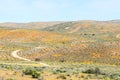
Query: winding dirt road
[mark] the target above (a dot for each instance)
(15, 55)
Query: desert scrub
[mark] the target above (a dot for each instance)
(75, 72)
(32, 72)
(114, 76)
(35, 74)
(28, 71)
(58, 71)
(95, 71)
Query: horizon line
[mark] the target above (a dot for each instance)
(57, 21)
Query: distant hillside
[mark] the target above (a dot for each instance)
(76, 41)
(86, 26)
(23, 35)
(81, 27)
(31, 25)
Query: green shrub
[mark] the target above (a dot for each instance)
(35, 74)
(28, 71)
(89, 71)
(9, 67)
(115, 76)
(32, 72)
(75, 72)
(57, 71)
(95, 71)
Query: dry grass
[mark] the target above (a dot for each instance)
(8, 74)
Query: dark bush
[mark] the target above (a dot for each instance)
(62, 60)
(57, 71)
(35, 74)
(28, 71)
(95, 71)
(37, 59)
(32, 72)
(89, 71)
(114, 76)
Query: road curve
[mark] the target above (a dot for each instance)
(15, 55)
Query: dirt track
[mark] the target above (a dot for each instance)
(15, 55)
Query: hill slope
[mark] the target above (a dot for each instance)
(31, 25)
(86, 26)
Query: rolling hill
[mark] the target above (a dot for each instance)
(73, 50)
(69, 40)
(30, 25)
(85, 26)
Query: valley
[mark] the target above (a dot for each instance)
(74, 50)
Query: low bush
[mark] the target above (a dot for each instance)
(89, 71)
(57, 71)
(35, 74)
(95, 71)
(32, 72)
(28, 71)
(115, 76)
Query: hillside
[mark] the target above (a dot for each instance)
(86, 26)
(77, 41)
(75, 50)
(30, 25)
